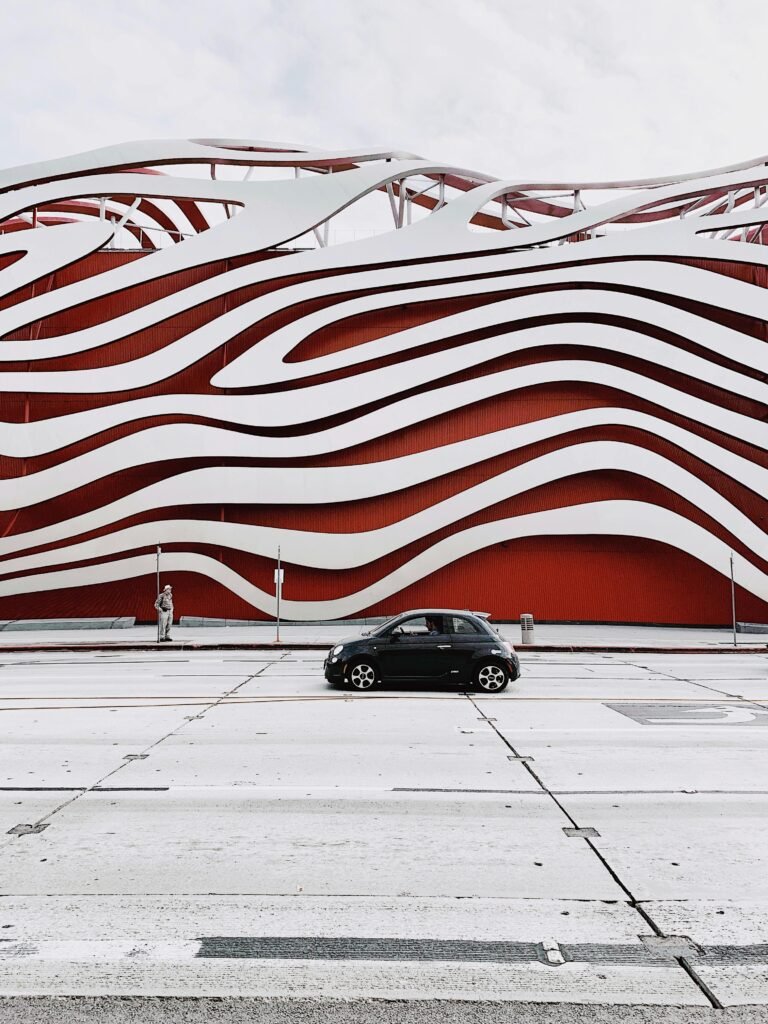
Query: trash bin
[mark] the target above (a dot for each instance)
(526, 629)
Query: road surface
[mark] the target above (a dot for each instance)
(222, 824)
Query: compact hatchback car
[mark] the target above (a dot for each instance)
(460, 647)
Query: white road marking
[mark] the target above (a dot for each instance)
(728, 716)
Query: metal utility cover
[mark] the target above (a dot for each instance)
(671, 945)
(26, 830)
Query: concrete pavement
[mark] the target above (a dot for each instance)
(143, 1010)
(224, 824)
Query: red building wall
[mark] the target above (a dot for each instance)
(587, 578)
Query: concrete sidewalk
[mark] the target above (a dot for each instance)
(616, 639)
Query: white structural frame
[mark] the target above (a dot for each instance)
(610, 260)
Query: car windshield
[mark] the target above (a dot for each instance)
(385, 625)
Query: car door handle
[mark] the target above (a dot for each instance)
(441, 647)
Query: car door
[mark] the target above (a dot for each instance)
(465, 637)
(412, 651)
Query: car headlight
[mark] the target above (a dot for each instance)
(337, 649)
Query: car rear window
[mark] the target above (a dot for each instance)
(466, 626)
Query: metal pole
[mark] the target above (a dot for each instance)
(157, 584)
(280, 587)
(733, 602)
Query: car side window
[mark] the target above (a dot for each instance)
(464, 626)
(420, 625)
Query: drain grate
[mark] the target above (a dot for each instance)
(652, 951)
(619, 954)
(734, 955)
(300, 948)
(547, 953)
(435, 789)
(581, 833)
(129, 789)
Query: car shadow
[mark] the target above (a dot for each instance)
(412, 686)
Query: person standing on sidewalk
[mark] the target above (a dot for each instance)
(164, 606)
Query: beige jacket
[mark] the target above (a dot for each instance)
(164, 602)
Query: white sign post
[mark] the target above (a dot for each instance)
(733, 601)
(279, 578)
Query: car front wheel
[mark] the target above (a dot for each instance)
(362, 676)
(491, 677)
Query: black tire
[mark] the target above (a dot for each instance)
(491, 677)
(363, 675)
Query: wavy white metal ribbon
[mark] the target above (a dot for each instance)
(613, 295)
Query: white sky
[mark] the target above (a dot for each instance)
(533, 88)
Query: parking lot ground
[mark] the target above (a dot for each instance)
(224, 824)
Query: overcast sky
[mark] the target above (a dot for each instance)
(535, 88)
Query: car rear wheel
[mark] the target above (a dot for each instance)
(491, 677)
(362, 676)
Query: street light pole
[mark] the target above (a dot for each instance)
(157, 587)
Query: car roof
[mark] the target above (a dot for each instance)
(443, 611)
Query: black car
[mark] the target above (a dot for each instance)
(439, 645)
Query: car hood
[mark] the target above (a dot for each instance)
(350, 639)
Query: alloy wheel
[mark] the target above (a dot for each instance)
(362, 676)
(491, 678)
